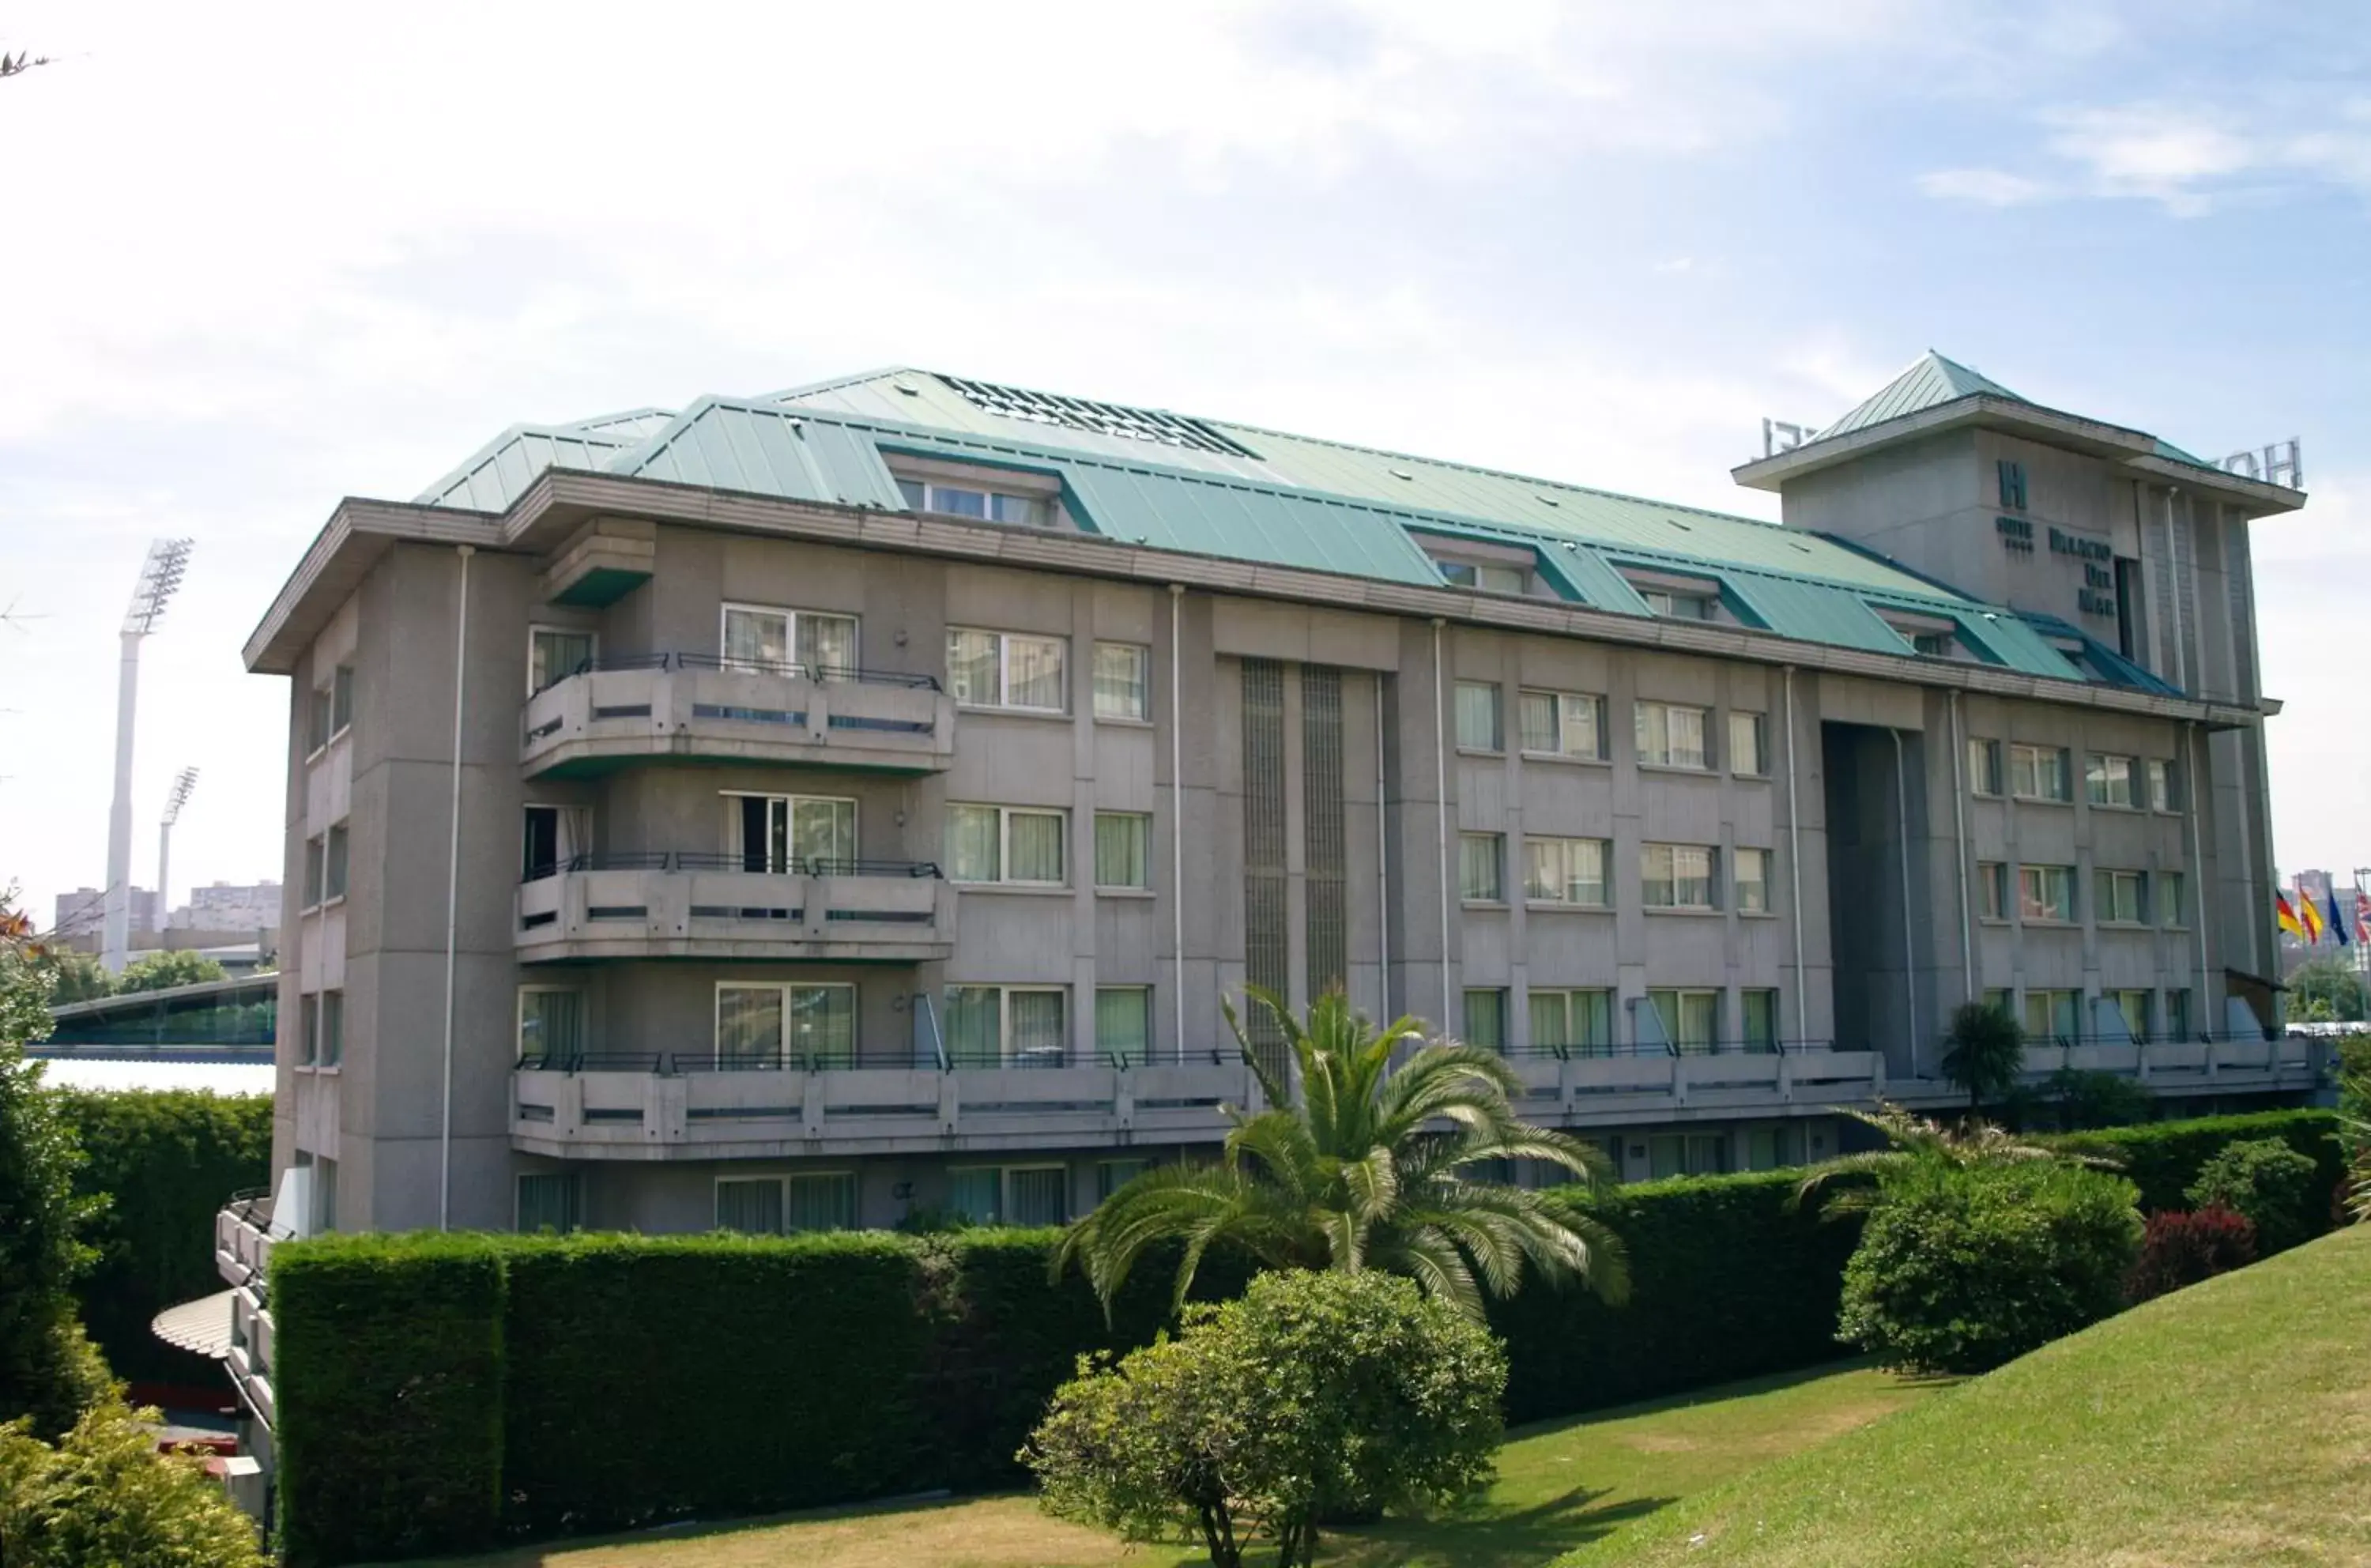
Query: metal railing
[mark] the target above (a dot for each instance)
(703, 860)
(791, 669)
(677, 1063)
(1574, 1052)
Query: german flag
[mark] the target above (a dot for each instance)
(2285, 915)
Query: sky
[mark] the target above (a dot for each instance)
(254, 259)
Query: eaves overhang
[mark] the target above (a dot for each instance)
(560, 500)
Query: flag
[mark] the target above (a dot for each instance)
(2309, 913)
(2362, 916)
(2338, 921)
(2286, 917)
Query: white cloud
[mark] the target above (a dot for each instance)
(1985, 187)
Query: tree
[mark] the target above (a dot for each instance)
(1984, 1053)
(76, 976)
(163, 969)
(2268, 1182)
(2327, 983)
(105, 1495)
(1315, 1396)
(1345, 1172)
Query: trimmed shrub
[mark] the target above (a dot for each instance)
(1315, 1396)
(2164, 1157)
(105, 1495)
(655, 1378)
(1961, 1268)
(1727, 1281)
(387, 1368)
(164, 1160)
(2269, 1183)
(2180, 1248)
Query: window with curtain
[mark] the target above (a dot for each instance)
(2168, 898)
(1753, 880)
(1033, 1028)
(2164, 786)
(1122, 849)
(2134, 1006)
(825, 644)
(550, 1023)
(1477, 717)
(1691, 1018)
(2119, 897)
(1675, 876)
(1747, 737)
(822, 1025)
(975, 667)
(333, 864)
(977, 1192)
(825, 1201)
(1670, 735)
(551, 1199)
(1123, 681)
(1773, 1148)
(316, 863)
(1032, 672)
(1124, 1025)
(2177, 1015)
(333, 1028)
(342, 698)
(1984, 767)
(308, 1029)
(751, 1204)
(1758, 1017)
(2046, 892)
(1032, 842)
(2108, 780)
(749, 1026)
(1479, 857)
(1111, 1175)
(1562, 723)
(974, 1026)
(974, 843)
(1037, 1194)
(2038, 772)
(1006, 844)
(1578, 1022)
(1565, 871)
(1991, 890)
(2053, 1015)
(757, 638)
(1486, 1020)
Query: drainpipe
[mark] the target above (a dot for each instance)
(453, 892)
(1382, 856)
(2197, 878)
(1440, 807)
(1795, 871)
(1178, 803)
(1959, 825)
(1909, 943)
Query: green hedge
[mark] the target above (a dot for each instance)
(166, 1159)
(1728, 1281)
(387, 1371)
(2162, 1158)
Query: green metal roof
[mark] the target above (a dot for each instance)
(1206, 487)
(1930, 382)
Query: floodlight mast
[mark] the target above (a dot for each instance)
(175, 799)
(160, 575)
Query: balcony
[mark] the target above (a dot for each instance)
(243, 1240)
(692, 707)
(683, 1105)
(2200, 1063)
(688, 905)
(1606, 1085)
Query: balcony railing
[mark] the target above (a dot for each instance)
(702, 706)
(1582, 1052)
(921, 1056)
(694, 904)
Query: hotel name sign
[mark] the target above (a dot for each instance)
(2097, 596)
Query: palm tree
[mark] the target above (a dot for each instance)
(1855, 1183)
(1355, 1170)
(1986, 1053)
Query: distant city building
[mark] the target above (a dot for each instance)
(83, 911)
(230, 907)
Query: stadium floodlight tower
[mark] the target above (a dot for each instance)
(175, 799)
(160, 576)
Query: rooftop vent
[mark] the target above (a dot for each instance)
(1099, 419)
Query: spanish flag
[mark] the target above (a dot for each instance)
(2312, 915)
(2285, 915)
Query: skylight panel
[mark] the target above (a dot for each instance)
(1094, 418)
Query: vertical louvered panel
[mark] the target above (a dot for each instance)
(1266, 943)
(1323, 838)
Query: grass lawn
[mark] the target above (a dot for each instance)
(1560, 1485)
(2226, 1424)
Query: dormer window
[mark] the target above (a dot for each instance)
(960, 500)
(983, 495)
(1930, 637)
(1675, 597)
(1484, 576)
(1684, 607)
(1485, 567)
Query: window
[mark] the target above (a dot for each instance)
(780, 834)
(317, 708)
(333, 1028)
(316, 864)
(342, 699)
(978, 502)
(1687, 1153)
(550, 1024)
(804, 643)
(1758, 1019)
(2108, 780)
(1563, 723)
(554, 653)
(1566, 870)
(1670, 735)
(1008, 844)
(1124, 1025)
(2134, 1006)
(1984, 767)
(325, 1192)
(1006, 1026)
(2177, 1015)
(774, 1026)
(1123, 681)
(2053, 1015)
(1486, 1020)
(310, 1029)
(1485, 576)
(1111, 1175)
(1774, 1149)
(1122, 849)
(538, 843)
(820, 1201)
(2119, 898)
(1933, 644)
(1684, 607)
(2168, 898)
(1746, 734)
(1751, 877)
(1477, 718)
(1676, 876)
(751, 1204)
(2001, 1000)
(1578, 1024)
(2164, 786)
(1478, 856)
(1691, 1020)
(2037, 773)
(1005, 669)
(1992, 888)
(333, 864)
(2045, 892)
(1012, 1194)
(551, 1199)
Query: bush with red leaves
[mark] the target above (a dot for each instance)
(2183, 1248)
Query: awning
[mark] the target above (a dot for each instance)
(203, 1325)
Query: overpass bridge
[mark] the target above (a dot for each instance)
(214, 1021)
